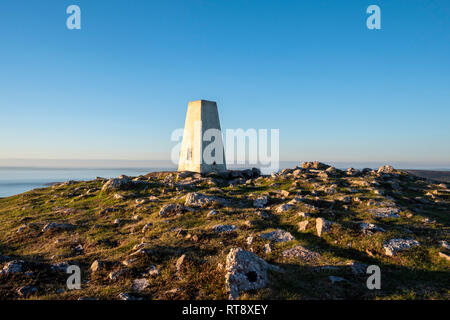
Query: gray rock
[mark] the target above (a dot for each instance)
(15, 266)
(97, 265)
(322, 226)
(283, 208)
(172, 209)
(302, 253)
(386, 169)
(277, 236)
(195, 199)
(245, 271)
(303, 225)
(370, 228)
(140, 284)
(392, 246)
(57, 226)
(26, 291)
(385, 212)
(121, 183)
(224, 228)
(126, 296)
(260, 202)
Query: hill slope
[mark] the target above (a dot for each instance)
(176, 235)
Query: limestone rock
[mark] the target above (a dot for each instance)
(245, 271)
(387, 212)
(277, 236)
(303, 225)
(322, 226)
(283, 208)
(392, 246)
(370, 228)
(97, 265)
(140, 284)
(121, 183)
(57, 226)
(260, 202)
(171, 209)
(195, 199)
(224, 228)
(15, 266)
(386, 169)
(315, 165)
(302, 253)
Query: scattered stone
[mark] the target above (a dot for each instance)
(224, 228)
(370, 228)
(140, 284)
(57, 226)
(126, 296)
(283, 208)
(445, 244)
(303, 225)
(115, 275)
(116, 221)
(302, 253)
(303, 214)
(172, 209)
(97, 265)
(322, 226)
(386, 169)
(211, 213)
(195, 199)
(180, 262)
(385, 212)
(245, 271)
(267, 248)
(14, 266)
(129, 262)
(315, 165)
(260, 202)
(146, 227)
(26, 291)
(277, 236)
(249, 240)
(392, 246)
(121, 183)
(444, 255)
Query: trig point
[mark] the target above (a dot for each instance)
(202, 152)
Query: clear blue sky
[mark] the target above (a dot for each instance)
(118, 87)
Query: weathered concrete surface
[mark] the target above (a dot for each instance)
(201, 116)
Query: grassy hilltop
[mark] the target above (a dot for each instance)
(169, 235)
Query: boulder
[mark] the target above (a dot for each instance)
(172, 209)
(392, 246)
(370, 228)
(322, 226)
(302, 253)
(195, 199)
(15, 266)
(260, 202)
(303, 225)
(277, 236)
(315, 165)
(386, 169)
(224, 228)
(57, 226)
(245, 271)
(121, 183)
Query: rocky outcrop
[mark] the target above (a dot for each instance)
(245, 271)
(393, 246)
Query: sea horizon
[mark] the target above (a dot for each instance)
(20, 179)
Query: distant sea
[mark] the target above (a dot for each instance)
(18, 180)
